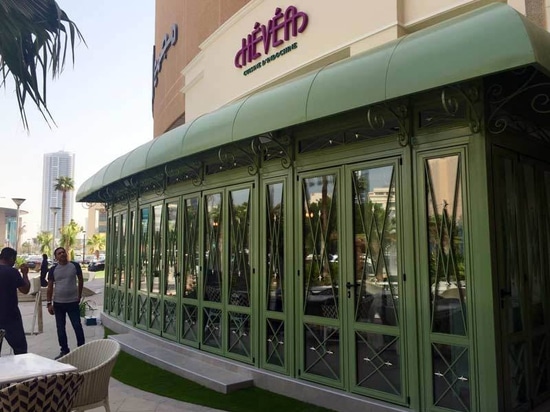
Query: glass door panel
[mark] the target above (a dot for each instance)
(130, 292)
(143, 256)
(375, 288)
(321, 278)
(446, 283)
(171, 267)
(191, 270)
(274, 280)
(212, 286)
(239, 321)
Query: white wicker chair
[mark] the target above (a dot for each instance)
(95, 361)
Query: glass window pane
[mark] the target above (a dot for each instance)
(375, 251)
(321, 241)
(275, 350)
(275, 246)
(322, 351)
(378, 362)
(446, 245)
(143, 249)
(171, 248)
(451, 383)
(122, 248)
(239, 247)
(132, 237)
(213, 248)
(191, 257)
(156, 252)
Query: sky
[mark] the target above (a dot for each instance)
(101, 105)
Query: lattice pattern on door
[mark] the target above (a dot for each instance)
(322, 352)
(275, 342)
(190, 315)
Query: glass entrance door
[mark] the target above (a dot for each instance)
(374, 292)
(351, 287)
(321, 348)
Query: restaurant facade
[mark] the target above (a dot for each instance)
(348, 196)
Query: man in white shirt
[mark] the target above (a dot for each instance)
(67, 278)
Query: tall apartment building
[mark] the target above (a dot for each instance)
(56, 165)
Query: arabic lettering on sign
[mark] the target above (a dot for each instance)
(279, 29)
(168, 41)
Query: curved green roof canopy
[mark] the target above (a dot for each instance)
(490, 39)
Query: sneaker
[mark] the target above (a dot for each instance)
(61, 354)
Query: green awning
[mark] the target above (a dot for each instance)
(491, 39)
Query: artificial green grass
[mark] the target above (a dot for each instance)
(142, 375)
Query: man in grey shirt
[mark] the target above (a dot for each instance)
(67, 278)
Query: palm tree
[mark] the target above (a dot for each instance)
(64, 184)
(68, 237)
(45, 241)
(34, 39)
(96, 243)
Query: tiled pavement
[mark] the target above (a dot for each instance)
(123, 398)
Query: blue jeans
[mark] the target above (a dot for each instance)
(71, 309)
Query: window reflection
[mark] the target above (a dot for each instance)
(191, 262)
(213, 248)
(375, 237)
(321, 237)
(156, 253)
(115, 250)
(132, 236)
(239, 246)
(143, 249)
(274, 231)
(446, 245)
(122, 247)
(171, 248)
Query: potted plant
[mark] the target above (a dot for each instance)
(86, 306)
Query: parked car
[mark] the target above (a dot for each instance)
(33, 262)
(97, 266)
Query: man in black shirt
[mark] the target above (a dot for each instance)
(10, 316)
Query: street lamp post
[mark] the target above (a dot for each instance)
(18, 201)
(83, 246)
(54, 209)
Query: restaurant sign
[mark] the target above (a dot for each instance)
(278, 30)
(168, 41)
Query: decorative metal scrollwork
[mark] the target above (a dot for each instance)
(186, 171)
(233, 156)
(156, 183)
(457, 102)
(269, 146)
(519, 100)
(376, 118)
(469, 95)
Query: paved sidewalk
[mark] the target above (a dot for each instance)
(123, 398)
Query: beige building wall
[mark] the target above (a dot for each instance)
(199, 75)
(196, 21)
(95, 224)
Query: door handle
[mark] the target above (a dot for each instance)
(503, 295)
(350, 285)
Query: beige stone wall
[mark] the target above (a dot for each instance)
(535, 10)
(199, 74)
(196, 21)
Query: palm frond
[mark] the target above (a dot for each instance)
(35, 38)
